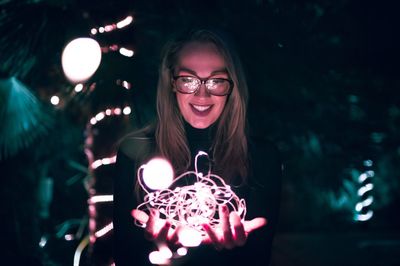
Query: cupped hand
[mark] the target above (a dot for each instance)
(157, 229)
(231, 231)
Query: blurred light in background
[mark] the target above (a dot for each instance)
(80, 59)
(362, 210)
(125, 22)
(125, 84)
(110, 27)
(55, 100)
(127, 110)
(126, 52)
(110, 112)
(78, 87)
(104, 161)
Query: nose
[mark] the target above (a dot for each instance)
(202, 91)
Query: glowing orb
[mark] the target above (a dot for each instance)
(181, 251)
(158, 174)
(189, 237)
(80, 59)
(158, 258)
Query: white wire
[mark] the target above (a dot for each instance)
(192, 205)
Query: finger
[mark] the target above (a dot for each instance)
(163, 233)
(238, 229)
(174, 236)
(226, 227)
(254, 224)
(140, 216)
(150, 229)
(212, 237)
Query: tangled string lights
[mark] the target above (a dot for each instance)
(192, 205)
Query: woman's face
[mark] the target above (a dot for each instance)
(201, 60)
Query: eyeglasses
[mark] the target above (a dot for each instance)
(214, 86)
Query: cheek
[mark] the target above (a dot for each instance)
(182, 101)
(221, 104)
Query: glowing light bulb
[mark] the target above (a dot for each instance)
(158, 174)
(99, 116)
(126, 110)
(80, 59)
(165, 252)
(117, 111)
(126, 52)
(189, 237)
(125, 22)
(78, 87)
(55, 100)
(182, 251)
(156, 257)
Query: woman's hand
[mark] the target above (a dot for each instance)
(160, 232)
(157, 229)
(232, 232)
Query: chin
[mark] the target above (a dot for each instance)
(201, 125)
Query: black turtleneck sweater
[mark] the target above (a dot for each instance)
(262, 195)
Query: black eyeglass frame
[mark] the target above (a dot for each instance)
(203, 81)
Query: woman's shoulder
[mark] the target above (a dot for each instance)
(138, 143)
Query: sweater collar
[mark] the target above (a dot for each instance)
(196, 134)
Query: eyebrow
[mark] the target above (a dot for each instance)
(215, 72)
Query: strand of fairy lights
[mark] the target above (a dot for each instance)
(362, 213)
(110, 112)
(104, 161)
(114, 26)
(103, 231)
(115, 47)
(192, 205)
(101, 198)
(92, 213)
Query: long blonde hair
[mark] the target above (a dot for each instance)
(230, 143)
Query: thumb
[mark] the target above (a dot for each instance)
(254, 224)
(140, 216)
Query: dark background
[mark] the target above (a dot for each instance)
(323, 80)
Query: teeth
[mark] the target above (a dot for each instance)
(201, 108)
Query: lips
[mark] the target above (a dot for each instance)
(201, 110)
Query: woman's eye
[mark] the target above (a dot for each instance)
(187, 79)
(217, 81)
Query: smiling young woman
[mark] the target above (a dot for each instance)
(201, 106)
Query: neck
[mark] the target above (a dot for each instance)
(193, 133)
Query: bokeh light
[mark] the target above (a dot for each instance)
(80, 59)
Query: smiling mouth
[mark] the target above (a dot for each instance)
(201, 108)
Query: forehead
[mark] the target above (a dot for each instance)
(200, 57)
